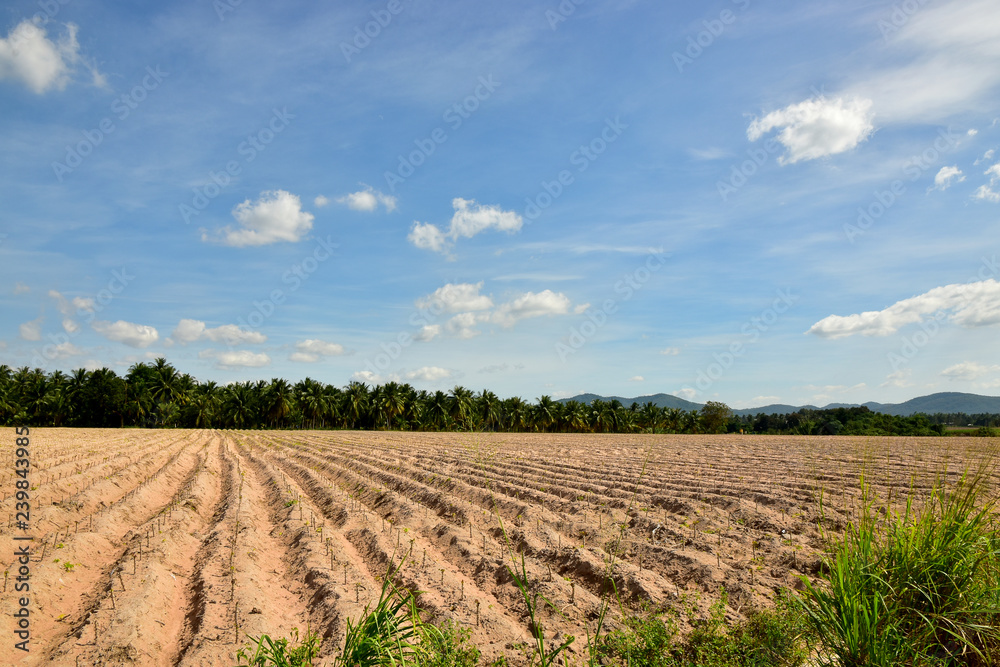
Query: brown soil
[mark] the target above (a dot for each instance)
(169, 547)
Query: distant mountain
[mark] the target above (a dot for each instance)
(949, 401)
(659, 400)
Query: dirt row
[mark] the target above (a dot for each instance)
(171, 547)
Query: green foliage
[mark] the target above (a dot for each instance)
(917, 588)
(446, 645)
(267, 652)
(387, 632)
(777, 637)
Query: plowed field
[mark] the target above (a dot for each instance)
(163, 547)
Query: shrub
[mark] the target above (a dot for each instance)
(917, 588)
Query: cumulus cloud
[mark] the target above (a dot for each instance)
(463, 325)
(189, 331)
(968, 370)
(320, 201)
(473, 308)
(429, 374)
(368, 200)
(687, 393)
(987, 156)
(986, 192)
(456, 298)
(530, 305)
(66, 350)
(427, 333)
(29, 56)
(637, 378)
(817, 127)
(133, 335)
(31, 330)
(468, 220)
(900, 378)
(276, 216)
(312, 350)
(71, 306)
(235, 359)
(946, 177)
(969, 305)
(670, 351)
(21, 288)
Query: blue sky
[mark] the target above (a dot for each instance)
(743, 201)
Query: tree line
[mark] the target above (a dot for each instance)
(156, 395)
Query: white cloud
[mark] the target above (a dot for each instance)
(428, 333)
(969, 304)
(986, 192)
(29, 56)
(900, 378)
(234, 359)
(469, 220)
(687, 393)
(428, 237)
(501, 368)
(189, 331)
(968, 370)
(70, 326)
(71, 306)
(276, 216)
(66, 350)
(671, 351)
(946, 177)
(368, 200)
(949, 63)
(31, 330)
(972, 132)
(312, 350)
(987, 156)
(817, 127)
(463, 325)
(21, 288)
(133, 335)
(530, 305)
(472, 308)
(320, 201)
(637, 378)
(456, 298)
(368, 377)
(429, 374)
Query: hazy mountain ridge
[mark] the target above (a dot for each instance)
(948, 401)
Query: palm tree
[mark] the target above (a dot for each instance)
(278, 401)
(356, 402)
(460, 407)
